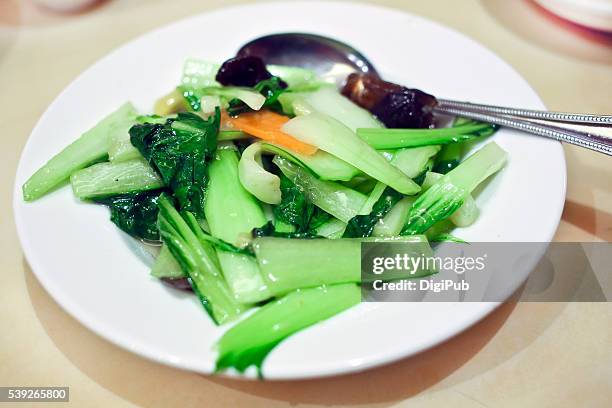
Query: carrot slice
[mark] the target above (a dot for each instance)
(226, 121)
(267, 125)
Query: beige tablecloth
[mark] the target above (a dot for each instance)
(530, 355)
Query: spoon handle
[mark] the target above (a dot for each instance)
(587, 140)
(577, 118)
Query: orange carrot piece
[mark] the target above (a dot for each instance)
(267, 125)
(226, 121)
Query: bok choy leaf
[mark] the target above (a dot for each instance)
(135, 214)
(180, 150)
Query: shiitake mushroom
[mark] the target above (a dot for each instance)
(394, 105)
(244, 71)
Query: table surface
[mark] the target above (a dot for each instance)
(531, 355)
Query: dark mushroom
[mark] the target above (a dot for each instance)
(243, 71)
(394, 105)
(178, 283)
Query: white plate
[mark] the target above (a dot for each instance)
(85, 263)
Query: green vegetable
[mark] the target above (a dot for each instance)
(449, 158)
(421, 177)
(288, 264)
(465, 215)
(323, 164)
(120, 148)
(294, 209)
(251, 340)
(280, 230)
(448, 194)
(413, 161)
(166, 266)
(459, 121)
(270, 88)
(294, 218)
(229, 135)
(448, 238)
(266, 186)
(256, 179)
(180, 150)
(208, 104)
(232, 213)
(334, 198)
(333, 137)
(363, 184)
(160, 120)
(296, 78)
(440, 228)
(318, 218)
(279, 225)
(197, 258)
(375, 195)
(135, 214)
(199, 74)
(199, 77)
(451, 154)
(393, 222)
(363, 225)
(329, 101)
(108, 179)
(331, 229)
(402, 138)
(252, 98)
(223, 246)
(91, 147)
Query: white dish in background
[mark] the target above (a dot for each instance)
(86, 265)
(595, 14)
(65, 6)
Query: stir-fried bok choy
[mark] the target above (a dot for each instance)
(260, 183)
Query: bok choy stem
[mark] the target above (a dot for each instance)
(107, 179)
(393, 222)
(401, 138)
(465, 215)
(448, 194)
(166, 266)
(251, 340)
(231, 211)
(91, 147)
(334, 198)
(196, 258)
(323, 164)
(330, 135)
(329, 101)
(289, 264)
(255, 178)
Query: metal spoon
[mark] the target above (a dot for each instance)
(335, 60)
